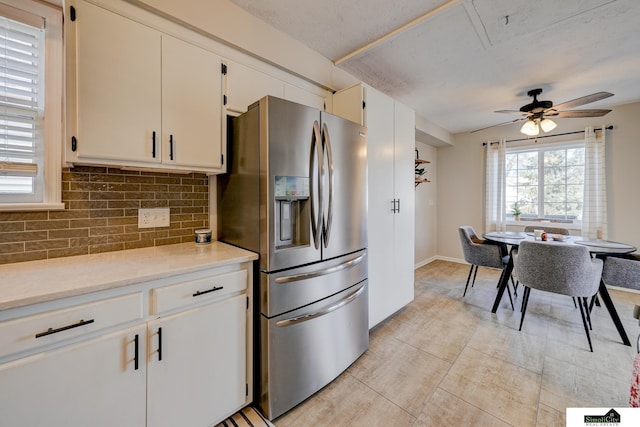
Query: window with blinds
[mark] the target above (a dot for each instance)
(22, 45)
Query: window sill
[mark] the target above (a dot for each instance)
(22, 207)
(569, 226)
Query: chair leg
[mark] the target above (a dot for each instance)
(515, 286)
(586, 328)
(587, 312)
(474, 277)
(510, 299)
(525, 302)
(574, 302)
(468, 278)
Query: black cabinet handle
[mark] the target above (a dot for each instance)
(51, 331)
(171, 147)
(136, 340)
(153, 144)
(215, 288)
(159, 344)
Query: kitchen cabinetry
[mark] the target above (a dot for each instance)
(199, 353)
(390, 226)
(202, 350)
(140, 98)
(167, 352)
(246, 85)
(92, 383)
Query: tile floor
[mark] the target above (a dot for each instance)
(445, 360)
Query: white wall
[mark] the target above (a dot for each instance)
(425, 205)
(460, 178)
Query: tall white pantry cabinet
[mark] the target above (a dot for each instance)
(391, 198)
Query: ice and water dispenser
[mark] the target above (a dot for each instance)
(291, 211)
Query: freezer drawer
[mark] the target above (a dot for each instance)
(291, 289)
(304, 350)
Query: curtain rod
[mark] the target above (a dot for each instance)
(546, 136)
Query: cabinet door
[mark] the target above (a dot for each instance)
(379, 113)
(404, 189)
(94, 383)
(191, 105)
(118, 87)
(304, 97)
(197, 370)
(246, 85)
(349, 103)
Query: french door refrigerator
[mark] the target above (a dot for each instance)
(296, 194)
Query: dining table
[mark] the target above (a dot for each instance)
(598, 248)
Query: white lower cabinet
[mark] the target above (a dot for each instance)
(197, 369)
(173, 352)
(93, 383)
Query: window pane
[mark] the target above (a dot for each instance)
(557, 193)
(554, 193)
(16, 185)
(575, 175)
(575, 157)
(554, 175)
(21, 104)
(528, 160)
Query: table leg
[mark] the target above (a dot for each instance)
(504, 281)
(606, 299)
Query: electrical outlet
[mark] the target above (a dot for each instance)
(152, 218)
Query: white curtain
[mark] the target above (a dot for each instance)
(594, 209)
(495, 187)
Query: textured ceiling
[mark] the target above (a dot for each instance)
(468, 58)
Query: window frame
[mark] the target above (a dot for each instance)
(566, 145)
(51, 176)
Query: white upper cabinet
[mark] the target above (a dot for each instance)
(246, 85)
(191, 105)
(304, 97)
(140, 98)
(118, 98)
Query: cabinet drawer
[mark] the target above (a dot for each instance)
(208, 288)
(27, 333)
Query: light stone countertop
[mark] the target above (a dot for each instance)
(34, 282)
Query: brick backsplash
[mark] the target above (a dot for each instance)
(101, 214)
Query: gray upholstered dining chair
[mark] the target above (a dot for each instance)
(622, 271)
(552, 230)
(482, 253)
(559, 268)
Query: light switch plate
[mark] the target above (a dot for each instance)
(155, 217)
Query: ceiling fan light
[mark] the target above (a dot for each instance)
(530, 128)
(548, 125)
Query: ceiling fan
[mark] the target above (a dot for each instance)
(537, 113)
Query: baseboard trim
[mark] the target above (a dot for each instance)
(438, 258)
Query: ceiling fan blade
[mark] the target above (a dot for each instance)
(500, 124)
(577, 113)
(581, 101)
(522, 113)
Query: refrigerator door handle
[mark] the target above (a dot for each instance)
(305, 317)
(316, 212)
(304, 276)
(326, 225)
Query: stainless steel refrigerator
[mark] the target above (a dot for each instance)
(296, 193)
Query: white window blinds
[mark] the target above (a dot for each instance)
(21, 103)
